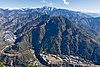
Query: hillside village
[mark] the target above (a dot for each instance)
(65, 60)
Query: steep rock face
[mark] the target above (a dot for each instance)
(58, 35)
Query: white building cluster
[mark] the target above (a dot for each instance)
(9, 37)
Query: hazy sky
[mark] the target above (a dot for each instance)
(87, 5)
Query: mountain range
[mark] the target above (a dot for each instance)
(52, 31)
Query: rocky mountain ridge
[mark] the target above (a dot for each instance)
(52, 31)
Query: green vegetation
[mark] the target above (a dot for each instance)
(30, 65)
(1, 64)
